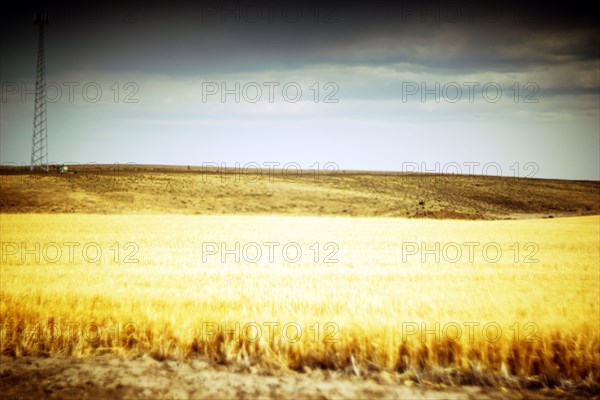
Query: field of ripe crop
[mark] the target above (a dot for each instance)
(460, 302)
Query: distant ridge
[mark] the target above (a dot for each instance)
(154, 189)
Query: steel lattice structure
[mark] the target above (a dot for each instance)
(39, 148)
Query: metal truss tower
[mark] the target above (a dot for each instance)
(39, 148)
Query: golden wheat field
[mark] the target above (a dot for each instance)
(463, 302)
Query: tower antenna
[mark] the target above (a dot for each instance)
(39, 147)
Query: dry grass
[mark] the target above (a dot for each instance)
(160, 304)
(359, 194)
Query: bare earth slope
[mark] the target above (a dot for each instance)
(153, 189)
(145, 378)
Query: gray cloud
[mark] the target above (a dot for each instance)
(187, 38)
(368, 48)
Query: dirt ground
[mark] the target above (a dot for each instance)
(110, 377)
(175, 190)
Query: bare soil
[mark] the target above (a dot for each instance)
(112, 377)
(109, 189)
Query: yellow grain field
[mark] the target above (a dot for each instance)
(457, 301)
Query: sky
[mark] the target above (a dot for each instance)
(460, 86)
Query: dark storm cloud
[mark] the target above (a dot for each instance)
(191, 38)
(369, 50)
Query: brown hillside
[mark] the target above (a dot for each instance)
(163, 189)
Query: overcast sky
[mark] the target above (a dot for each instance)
(365, 85)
